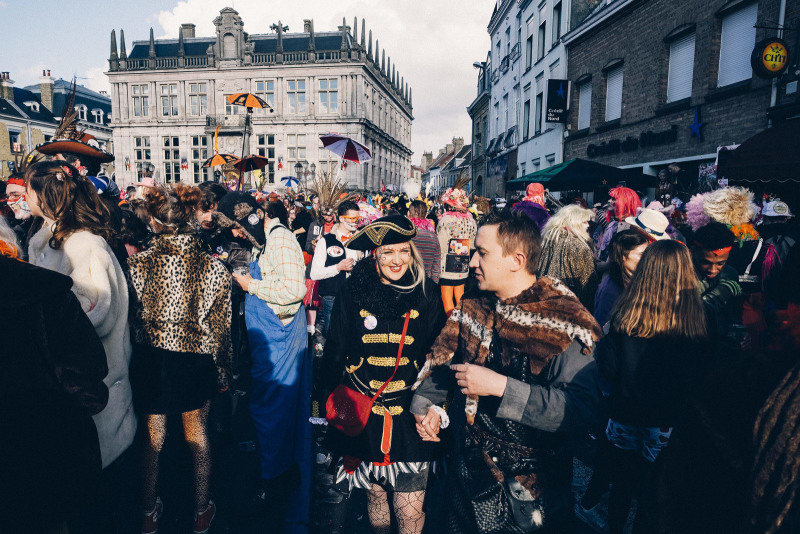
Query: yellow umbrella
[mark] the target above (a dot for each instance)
(248, 100)
(218, 159)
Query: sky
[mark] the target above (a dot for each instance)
(433, 43)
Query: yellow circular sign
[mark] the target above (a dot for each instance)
(774, 56)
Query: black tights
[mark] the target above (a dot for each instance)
(630, 475)
(195, 430)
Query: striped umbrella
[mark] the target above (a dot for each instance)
(248, 100)
(290, 181)
(219, 159)
(346, 148)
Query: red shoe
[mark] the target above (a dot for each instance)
(150, 519)
(202, 521)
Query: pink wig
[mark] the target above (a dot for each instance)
(695, 215)
(626, 202)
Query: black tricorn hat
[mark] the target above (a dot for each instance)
(388, 230)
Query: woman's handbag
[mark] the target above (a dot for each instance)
(348, 410)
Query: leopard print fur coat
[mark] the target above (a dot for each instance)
(182, 299)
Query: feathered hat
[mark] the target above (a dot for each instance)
(455, 197)
(330, 190)
(69, 139)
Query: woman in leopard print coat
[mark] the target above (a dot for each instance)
(182, 317)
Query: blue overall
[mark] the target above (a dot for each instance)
(280, 398)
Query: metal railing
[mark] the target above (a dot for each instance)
(504, 64)
(515, 52)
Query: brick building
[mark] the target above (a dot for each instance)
(664, 81)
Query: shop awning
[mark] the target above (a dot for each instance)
(582, 175)
(772, 155)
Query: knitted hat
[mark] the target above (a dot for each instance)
(240, 210)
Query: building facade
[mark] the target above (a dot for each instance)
(479, 114)
(169, 97)
(676, 88)
(29, 116)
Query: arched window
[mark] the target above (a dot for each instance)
(81, 109)
(98, 115)
(228, 46)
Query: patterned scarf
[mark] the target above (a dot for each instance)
(542, 322)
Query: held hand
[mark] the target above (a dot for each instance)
(478, 380)
(346, 264)
(428, 426)
(243, 280)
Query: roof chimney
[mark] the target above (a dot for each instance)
(187, 30)
(46, 89)
(6, 86)
(306, 25)
(458, 143)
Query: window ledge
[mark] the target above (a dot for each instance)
(577, 134)
(608, 125)
(718, 93)
(671, 107)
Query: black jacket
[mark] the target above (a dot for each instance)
(51, 384)
(650, 379)
(361, 353)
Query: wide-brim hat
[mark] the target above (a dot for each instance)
(388, 230)
(71, 146)
(651, 222)
(776, 208)
(240, 209)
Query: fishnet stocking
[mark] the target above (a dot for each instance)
(380, 516)
(409, 511)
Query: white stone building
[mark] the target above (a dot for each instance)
(168, 97)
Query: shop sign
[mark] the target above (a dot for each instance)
(770, 58)
(629, 144)
(557, 98)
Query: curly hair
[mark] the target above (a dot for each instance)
(172, 209)
(70, 200)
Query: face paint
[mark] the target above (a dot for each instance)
(20, 208)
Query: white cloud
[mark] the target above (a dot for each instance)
(95, 79)
(433, 44)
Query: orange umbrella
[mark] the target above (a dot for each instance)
(218, 159)
(248, 100)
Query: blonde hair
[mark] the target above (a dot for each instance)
(417, 269)
(662, 297)
(570, 217)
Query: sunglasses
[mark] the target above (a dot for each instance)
(350, 219)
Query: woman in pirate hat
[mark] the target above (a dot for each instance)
(386, 295)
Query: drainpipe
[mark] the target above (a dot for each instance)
(773, 97)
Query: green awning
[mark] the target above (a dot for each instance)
(580, 174)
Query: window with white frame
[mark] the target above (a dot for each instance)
(231, 109)
(556, 22)
(265, 144)
(681, 68)
(537, 120)
(526, 114)
(82, 111)
(296, 147)
(198, 99)
(329, 95)
(141, 105)
(584, 104)
(496, 119)
(614, 93)
(97, 115)
(141, 153)
(296, 95)
(266, 90)
(505, 112)
(542, 34)
(172, 159)
(736, 43)
(199, 155)
(169, 100)
(529, 45)
(327, 161)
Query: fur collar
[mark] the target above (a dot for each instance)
(381, 300)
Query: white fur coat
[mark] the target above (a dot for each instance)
(100, 285)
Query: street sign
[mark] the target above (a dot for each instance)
(770, 58)
(557, 100)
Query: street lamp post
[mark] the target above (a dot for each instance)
(313, 168)
(298, 169)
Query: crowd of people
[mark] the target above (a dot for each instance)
(443, 356)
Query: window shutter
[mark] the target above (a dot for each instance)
(584, 105)
(614, 94)
(737, 41)
(681, 68)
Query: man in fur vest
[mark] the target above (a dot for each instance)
(520, 353)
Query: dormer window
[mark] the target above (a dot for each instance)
(32, 105)
(98, 115)
(81, 109)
